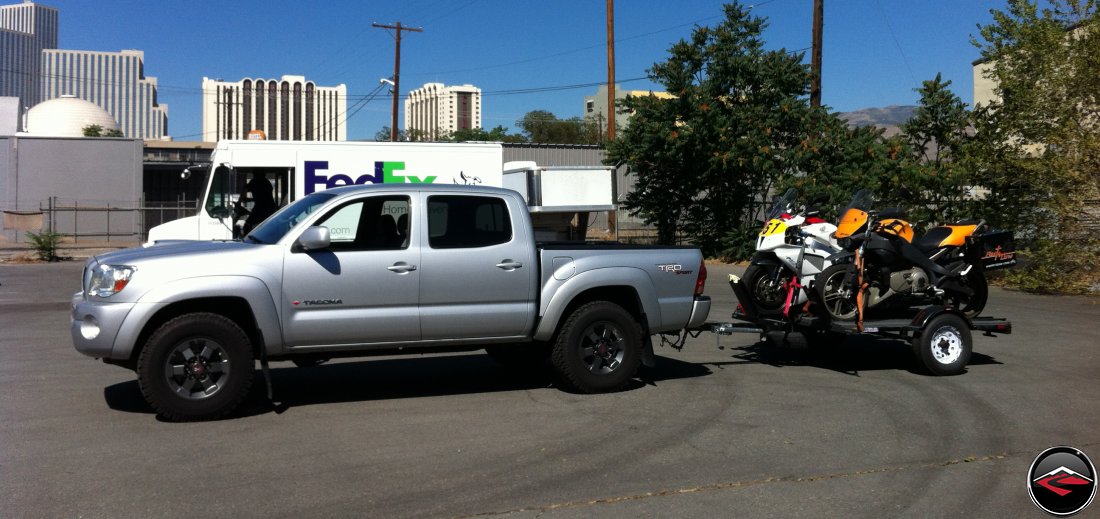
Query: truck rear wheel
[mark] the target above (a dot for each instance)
(196, 367)
(598, 349)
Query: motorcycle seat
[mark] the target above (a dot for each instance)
(931, 240)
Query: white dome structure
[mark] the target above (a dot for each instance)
(66, 116)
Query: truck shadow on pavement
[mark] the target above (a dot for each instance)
(854, 355)
(384, 379)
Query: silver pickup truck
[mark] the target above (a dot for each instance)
(373, 270)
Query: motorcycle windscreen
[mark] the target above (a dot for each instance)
(850, 222)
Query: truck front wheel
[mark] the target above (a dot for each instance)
(196, 367)
(598, 349)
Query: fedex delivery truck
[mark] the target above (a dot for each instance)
(559, 198)
(295, 169)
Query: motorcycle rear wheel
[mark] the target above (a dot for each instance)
(972, 305)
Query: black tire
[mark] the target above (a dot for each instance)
(944, 345)
(839, 305)
(522, 356)
(196, 367)
(971, 306)
(599, 348)
(766, 293)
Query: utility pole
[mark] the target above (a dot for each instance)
(610, 70)
(815, 55)
(396, 70)
(612, 219)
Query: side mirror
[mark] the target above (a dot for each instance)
(314, 238)
(220, 212)
(818, 200)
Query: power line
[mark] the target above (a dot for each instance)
(897, 44)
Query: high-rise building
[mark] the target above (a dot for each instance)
(25, 30)
(115, 81)
(286, 109)
(434, 111)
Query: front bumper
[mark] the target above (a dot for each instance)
(95, 326)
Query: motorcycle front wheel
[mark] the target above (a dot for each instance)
(768, 292)
(836, 297)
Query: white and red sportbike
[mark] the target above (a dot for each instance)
(791, 250)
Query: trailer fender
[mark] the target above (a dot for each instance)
(925, 315)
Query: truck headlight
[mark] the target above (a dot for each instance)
(108, 280)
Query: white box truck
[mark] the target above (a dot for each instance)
(297, 168)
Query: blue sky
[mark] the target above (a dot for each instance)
(876, 52)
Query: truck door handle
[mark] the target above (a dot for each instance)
(401, 267)
(509, 265)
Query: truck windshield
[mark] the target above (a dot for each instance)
(274, 228)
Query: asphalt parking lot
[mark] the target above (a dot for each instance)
(727, 427)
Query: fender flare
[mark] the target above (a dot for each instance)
(252, 290)
(634, 278)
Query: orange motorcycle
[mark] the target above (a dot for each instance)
(884, 263)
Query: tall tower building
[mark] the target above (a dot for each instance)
(434, 111)
(113, 80)
(25, 30)
(286, 109)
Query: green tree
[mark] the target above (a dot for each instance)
(541, 126)
(497, 134)
(939, 178)
(1037, 147)
(95, 130)
(835, 160)
(383, 135)
(706, 159)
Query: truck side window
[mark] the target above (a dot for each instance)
(222, 192)
(457, 222)
(369, 223)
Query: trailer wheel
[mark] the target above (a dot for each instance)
(944, 345)
(196, 367)
(598, 349)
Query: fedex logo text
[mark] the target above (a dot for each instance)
(384, 172)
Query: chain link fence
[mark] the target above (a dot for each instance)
(97, 221)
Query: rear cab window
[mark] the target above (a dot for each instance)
(464, 222)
